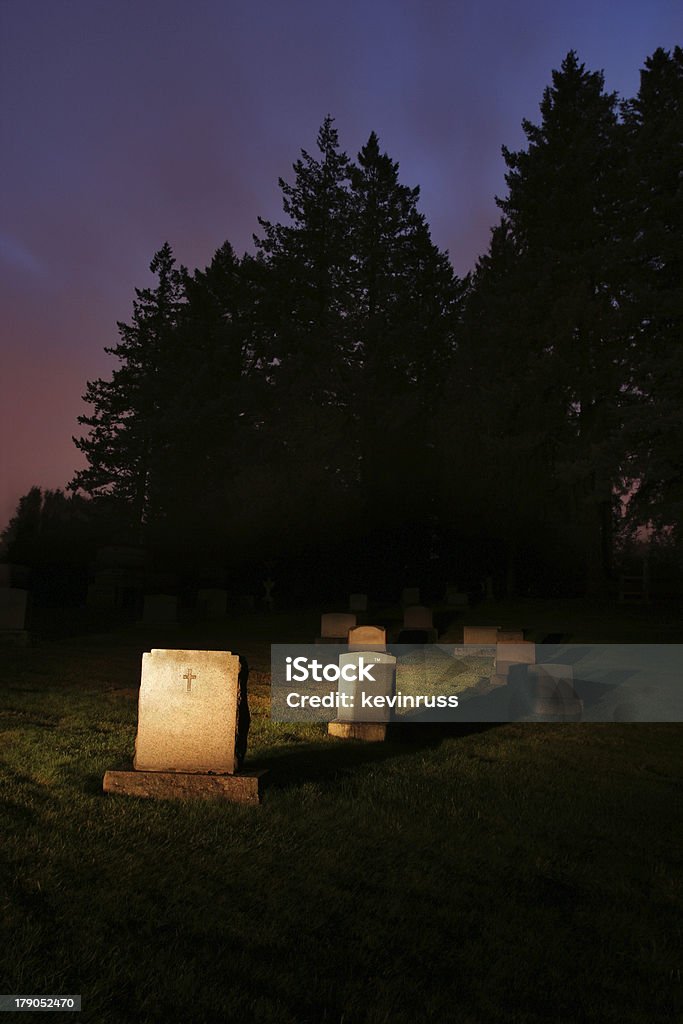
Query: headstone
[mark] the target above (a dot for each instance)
(418, 617)
(12, 608)
(335, 626)
(520, 652)
(418, 626)
(358, 602)
(410, 596)
(188, 712)
(483, 635)
(212, 602)
(160, 609)
(193, 721)
(543, 693)
(369, 724)
(367, 638)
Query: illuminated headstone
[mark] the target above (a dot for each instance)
(188, 712)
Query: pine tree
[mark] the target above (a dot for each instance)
(654, 221)
(563, 208)
(300, 308)
(401, 324)
(306, 297)
(129, 440)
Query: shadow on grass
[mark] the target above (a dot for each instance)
(330, 763)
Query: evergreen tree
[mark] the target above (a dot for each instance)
(300, 296)
(563, 209)
(401, 324)
(654, 221)
(206, 412)
(129, 439)
(302, 314)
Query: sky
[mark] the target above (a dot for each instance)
(128, 123)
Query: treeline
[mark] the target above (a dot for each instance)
(341, 396)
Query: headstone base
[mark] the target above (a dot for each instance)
(370, 732)
(15, 637)
(244, 788)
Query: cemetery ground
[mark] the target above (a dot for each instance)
(513, 873)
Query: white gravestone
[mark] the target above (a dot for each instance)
(382, 667)
(187, 712)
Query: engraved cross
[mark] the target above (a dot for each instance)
(189, 675)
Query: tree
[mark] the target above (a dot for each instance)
(301, 304)
(563, 211)
(654, 220)
(129, 440)
(401, 323)
(49, 528)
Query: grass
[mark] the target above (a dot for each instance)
(520, 873)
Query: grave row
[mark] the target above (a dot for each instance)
(193, 713)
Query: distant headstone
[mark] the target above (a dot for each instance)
(12, 608)
(358, 602)
(418, 617)
(483, 635)
(521, 652)
(188, 712)
(160, 609)
(212, 602)
(367, 638)
(543, 692)
(410, 596)
(384, 685)
(335, 626)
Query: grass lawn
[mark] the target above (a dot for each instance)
(518, 873)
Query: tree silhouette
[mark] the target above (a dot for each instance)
(129, 441)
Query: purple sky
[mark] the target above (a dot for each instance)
(126, 123)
